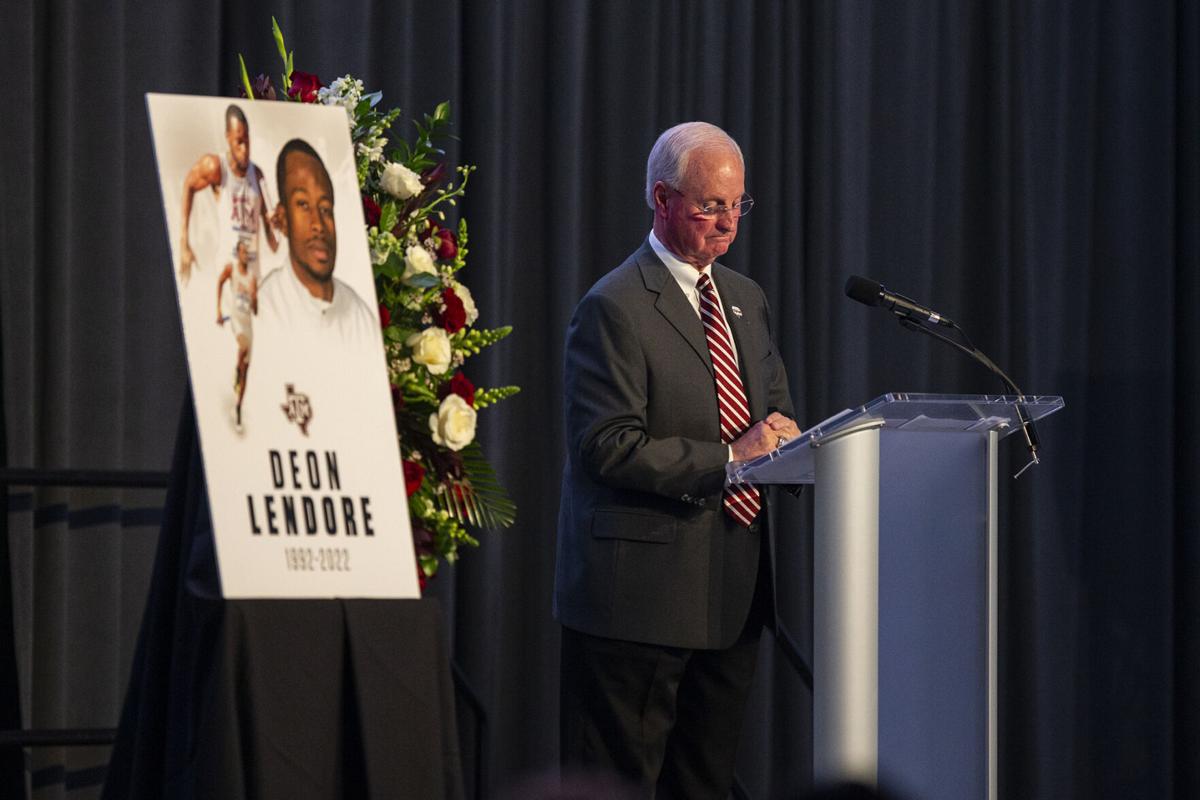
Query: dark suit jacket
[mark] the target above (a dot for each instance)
(645, 551)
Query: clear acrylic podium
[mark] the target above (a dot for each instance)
(905, 594)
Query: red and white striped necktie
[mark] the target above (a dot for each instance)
(741, 502)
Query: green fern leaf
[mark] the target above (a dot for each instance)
(478, 499)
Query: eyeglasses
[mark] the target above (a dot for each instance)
(711, 210)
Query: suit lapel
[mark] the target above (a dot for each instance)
(679, 312)
(672, 304)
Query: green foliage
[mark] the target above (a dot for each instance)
(478, 499)
(489, 397)
(458, 488)
(245, 78)
(474, 340)
(284, 55)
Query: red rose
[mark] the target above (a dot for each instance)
(397, 398)
(414, 473)
(371, 211)
(385, 316)
(461, 385)
(304, 87)
(454, 318)
(447, 247)
(445, 243)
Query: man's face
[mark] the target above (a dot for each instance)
(713, 176)
(308, 217)
(239, 143)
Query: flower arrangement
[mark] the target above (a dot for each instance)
(428, 317)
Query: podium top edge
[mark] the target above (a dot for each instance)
(908, 412)
(991, 399)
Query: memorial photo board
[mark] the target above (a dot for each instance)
(285, 355)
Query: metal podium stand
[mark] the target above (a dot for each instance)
(905, 594)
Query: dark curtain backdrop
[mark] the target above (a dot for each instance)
(1030, 169)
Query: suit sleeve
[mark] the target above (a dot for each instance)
(779, 396)
(607, 382)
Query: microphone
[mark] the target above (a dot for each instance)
(871, 293)
(911, 316)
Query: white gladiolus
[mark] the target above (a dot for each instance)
(345, 92)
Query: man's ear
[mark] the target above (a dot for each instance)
(281, 215)
(660, 193)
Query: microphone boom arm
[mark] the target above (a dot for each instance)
(1032, 442)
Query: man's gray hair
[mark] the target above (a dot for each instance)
(668, 161)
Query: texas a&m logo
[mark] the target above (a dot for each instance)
(297, 408)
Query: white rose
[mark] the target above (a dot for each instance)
(468, 302)
(400, 181)
(431, 347)
(417, 261)
(454, 423)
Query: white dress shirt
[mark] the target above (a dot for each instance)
(686, 276)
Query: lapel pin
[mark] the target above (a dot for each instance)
(737, 312)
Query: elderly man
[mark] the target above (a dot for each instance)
(663, 579)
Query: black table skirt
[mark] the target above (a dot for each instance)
(277, 698)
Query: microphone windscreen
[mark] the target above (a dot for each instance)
(863, 290)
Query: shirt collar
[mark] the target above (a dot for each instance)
(304, 296)
(684, 273)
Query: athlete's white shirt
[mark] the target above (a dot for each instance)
(345, 323)
(239, 203)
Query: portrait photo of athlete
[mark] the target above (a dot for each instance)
(304, 296)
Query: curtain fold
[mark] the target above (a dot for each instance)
(1029, 169)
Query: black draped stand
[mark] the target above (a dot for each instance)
(277, 698)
